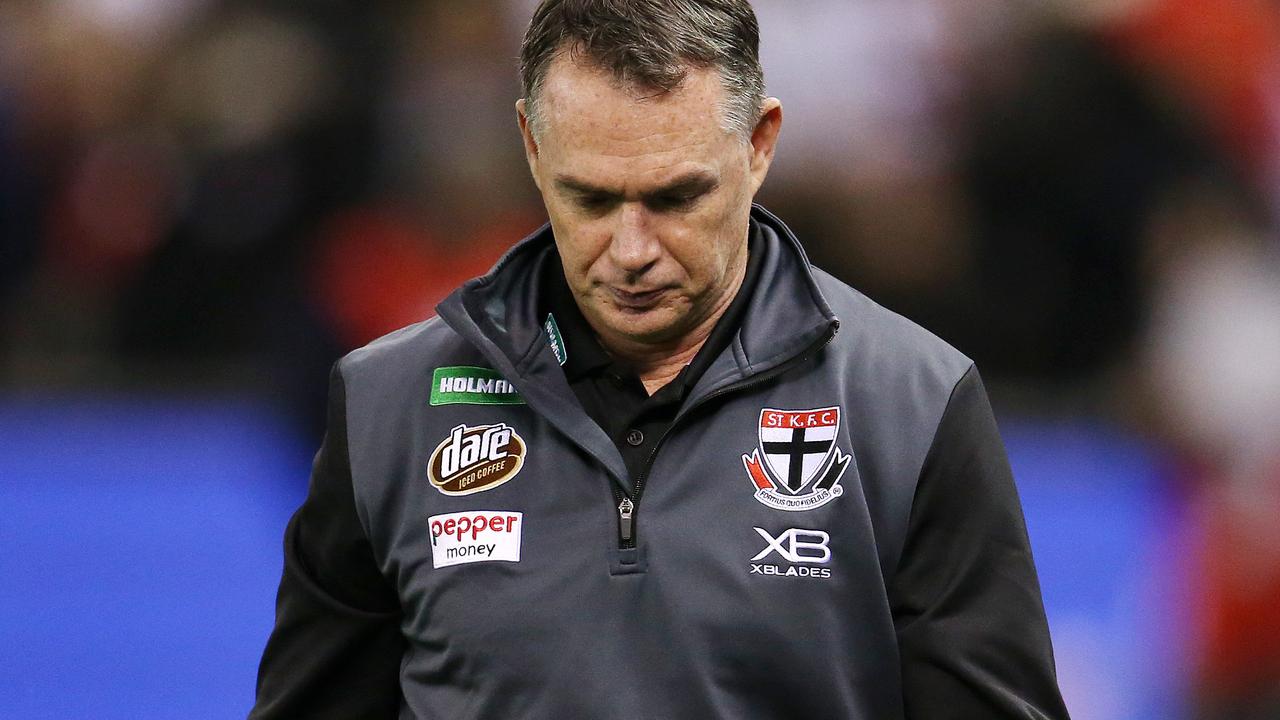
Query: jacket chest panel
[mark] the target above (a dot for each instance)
(704, 516)
(477, 568)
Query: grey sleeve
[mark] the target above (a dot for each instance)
(336, 647)
(972, 634)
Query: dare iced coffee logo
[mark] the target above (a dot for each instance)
(478, 458)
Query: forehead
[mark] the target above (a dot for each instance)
(586, 113)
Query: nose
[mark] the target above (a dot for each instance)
(634, 247)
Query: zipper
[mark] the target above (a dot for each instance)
(625, 509)
(628, 504)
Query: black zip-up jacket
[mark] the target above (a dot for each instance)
(829, 529)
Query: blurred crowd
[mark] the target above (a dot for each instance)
(1082, 195)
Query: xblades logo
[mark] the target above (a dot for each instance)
(797, 546)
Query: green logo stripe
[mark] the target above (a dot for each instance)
(556, 340)
(461, 384)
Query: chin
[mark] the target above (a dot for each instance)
(655, 326)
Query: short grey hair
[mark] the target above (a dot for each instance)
(650, 45)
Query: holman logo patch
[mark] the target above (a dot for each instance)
(462, 384)
(473, 459)
(797, 466)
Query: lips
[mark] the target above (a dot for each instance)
(636, 301)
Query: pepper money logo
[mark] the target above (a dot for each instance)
(474, 459)
(797, 466)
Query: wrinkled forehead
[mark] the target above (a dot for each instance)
(590, 108)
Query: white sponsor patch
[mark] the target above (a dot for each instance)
(475, 536)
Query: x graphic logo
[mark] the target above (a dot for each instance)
(790, 543)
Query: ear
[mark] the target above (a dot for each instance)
(530, 144)
(764, 140)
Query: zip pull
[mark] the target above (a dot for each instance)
(625, 509)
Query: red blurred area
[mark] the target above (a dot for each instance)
(116, 206)
(1224, 56)
(1239, 593)
(376, 271)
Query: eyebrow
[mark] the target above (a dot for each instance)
(692, 182)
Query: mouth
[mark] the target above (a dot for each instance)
(636, 301)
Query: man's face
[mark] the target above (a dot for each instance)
(649, 199)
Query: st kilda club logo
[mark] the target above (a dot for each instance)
(477, 458)
(797, 465)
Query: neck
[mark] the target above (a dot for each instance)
(659, 363)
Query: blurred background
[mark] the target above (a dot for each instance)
(204, 203)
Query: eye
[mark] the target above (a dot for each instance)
(675, 201)
(594, 202)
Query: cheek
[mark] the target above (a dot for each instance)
(700, 248)
(581, 246)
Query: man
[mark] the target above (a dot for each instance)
(654, 465)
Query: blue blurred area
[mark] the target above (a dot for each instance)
(142, 544)
(141, 551)
(1106, 531)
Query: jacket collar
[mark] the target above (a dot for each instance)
(498, 314)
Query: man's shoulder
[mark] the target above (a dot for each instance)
(885, 341)
(404, 354)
